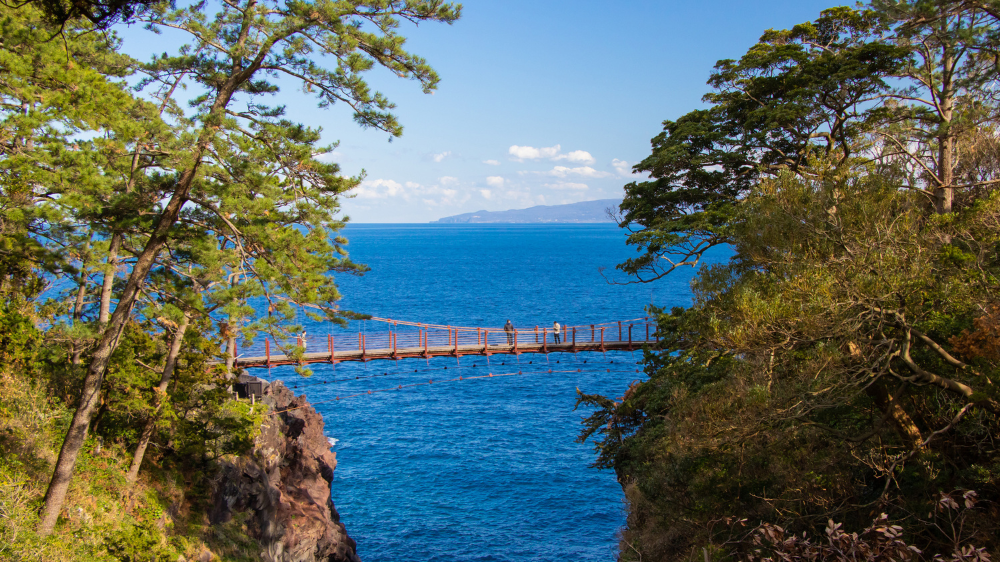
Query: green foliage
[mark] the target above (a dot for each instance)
(795, 94)
(901, 85)
(138, 543)
(104, 519)
(19, 339)
(126, 392)
(102, 13)
(844, 359)
(203, 207)
(172, 215)
(811, 377)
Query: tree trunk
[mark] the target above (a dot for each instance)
(109, 279)
(944, 193)
(76, 346)
(159, 398)
(81, 293)
(77, 433)
(905, 427)
(55, 495)
(230, 355)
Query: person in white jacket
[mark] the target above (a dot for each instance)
(555, 332)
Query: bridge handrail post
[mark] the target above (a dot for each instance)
(486, 343)
(574, 339)
(591, 333)
(602, 339)
(426, 334)
(329, 346)
(267, 351)
(479, 336)
(456, 342)
(536, 334)
(545, 340)
(630, 337)
(619, 330)
(363, 347)
(515, 342)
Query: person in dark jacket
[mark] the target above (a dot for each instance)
(509, 328)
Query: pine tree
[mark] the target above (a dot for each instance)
(239, 51)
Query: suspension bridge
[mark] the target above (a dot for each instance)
(420, 340)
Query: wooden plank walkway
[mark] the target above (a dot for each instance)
(458, 342)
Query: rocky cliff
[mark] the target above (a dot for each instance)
(284, 486)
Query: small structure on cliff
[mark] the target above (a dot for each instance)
(248, 386)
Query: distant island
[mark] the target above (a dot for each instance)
(583, 212)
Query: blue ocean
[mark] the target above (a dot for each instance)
(484, 469)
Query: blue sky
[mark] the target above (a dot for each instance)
(542, 102)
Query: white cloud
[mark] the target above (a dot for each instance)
(378, 189)
(574, 197)
(584, 171)
(520, 199)
(577, 156)
(330, 157)
(492, 162)
(445, 197)
(486, 193)
(444, 193)
(568, 186)
(522, 153)
(623, 168)
(494, 181)
(441, 156)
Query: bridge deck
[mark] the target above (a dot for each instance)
(436, 341)
(439, 351)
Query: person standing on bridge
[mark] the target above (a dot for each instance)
(555, 331)
(509, 328)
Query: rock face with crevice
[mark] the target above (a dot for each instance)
(284, 486)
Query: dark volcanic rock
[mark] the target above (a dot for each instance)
(285, 486)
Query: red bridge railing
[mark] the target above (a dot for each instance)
(429, 340)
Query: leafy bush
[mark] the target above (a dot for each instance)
(139, 543)
(882, 541)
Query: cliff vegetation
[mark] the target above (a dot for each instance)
(832, 392)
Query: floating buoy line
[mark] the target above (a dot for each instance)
(452, 380)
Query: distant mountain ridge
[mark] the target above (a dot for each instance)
(583, 212)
